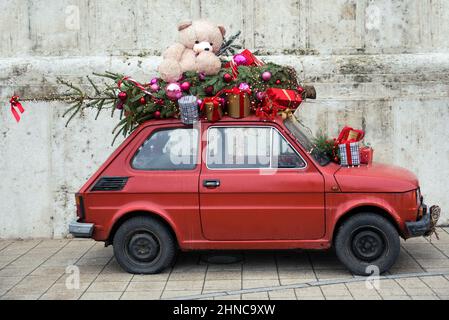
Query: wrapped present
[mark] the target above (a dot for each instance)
(366, 155)
(239, 102)
(213, 108)
(283, 98)
(349, 134)
(266, 112)
(188, 107)
(249, 59)
(349, 154)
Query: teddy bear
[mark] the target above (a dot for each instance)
(196, 50)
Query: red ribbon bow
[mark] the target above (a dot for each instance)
(137, 84)
(14, 101)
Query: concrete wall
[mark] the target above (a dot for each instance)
(377, 64)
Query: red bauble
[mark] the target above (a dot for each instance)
(209, 90)
(278, 81)
(143, 101)
(185, 86)
(122, 96)
(157, 114)
(227, 77)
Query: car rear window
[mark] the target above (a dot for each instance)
(168, 149)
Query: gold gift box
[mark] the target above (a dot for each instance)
(234, 105)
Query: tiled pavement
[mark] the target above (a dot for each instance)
(43, 269)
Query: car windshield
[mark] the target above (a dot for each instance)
(305, 138)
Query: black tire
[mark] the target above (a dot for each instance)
(144, 245)
(367, 239)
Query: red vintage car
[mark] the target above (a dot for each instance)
(245, 184)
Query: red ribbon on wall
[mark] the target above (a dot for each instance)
(14, 101)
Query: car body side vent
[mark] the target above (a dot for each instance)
(110, 184)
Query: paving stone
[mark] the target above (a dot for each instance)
(250, 284)
(260, 274)
(255, 296)
(171, 294)
(179, 276)
(229, 297)
(65, 295)
(424, 297)
(101, 296)
(147, 286)
(222, 285)
(141, 295)
(224, 275)
(101, 286)
(288, 294)
(309, 292)
(185, 285)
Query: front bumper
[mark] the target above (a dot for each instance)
(425, 226)
(81, 229)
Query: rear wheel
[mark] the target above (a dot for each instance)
(366, 243)
(144, 245)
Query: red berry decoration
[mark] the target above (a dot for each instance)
(278, 81)
(143, 101)
(227, 77)
(209, 90)
(157, 114)
(122, 96)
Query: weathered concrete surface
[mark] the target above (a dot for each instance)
(380, 65)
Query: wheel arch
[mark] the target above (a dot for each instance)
(366, 209)
(139, 213)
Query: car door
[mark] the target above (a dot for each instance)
(255, 185)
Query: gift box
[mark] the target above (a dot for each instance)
(350, 134)
(283, 98)
(366, 155)
(213, 109)
(188, 107)
(349, 154)
(251, 60)
(239, 103)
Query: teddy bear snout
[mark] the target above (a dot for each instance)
(202, 46)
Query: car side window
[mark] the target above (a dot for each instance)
(171, 149)
(249, 148)
(283, 154)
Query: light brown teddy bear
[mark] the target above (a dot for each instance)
(199, 42)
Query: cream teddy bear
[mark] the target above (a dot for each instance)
(199, 42)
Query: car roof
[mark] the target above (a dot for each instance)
(227, 119)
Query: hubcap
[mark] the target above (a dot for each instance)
(368, 245)
(143, 247)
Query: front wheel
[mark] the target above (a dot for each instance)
(367, 243)
(144, 245)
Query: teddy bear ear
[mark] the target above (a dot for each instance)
(222, 30)
(184, 25)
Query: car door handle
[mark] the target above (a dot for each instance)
(211, 183)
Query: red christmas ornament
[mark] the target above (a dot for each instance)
(122, 96)
(209, 90)
(278, 81)
(157, 114)
(143, 101)
(185, 86)
(227, 77)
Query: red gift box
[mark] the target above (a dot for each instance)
(349, 134)
(251, 60)
(283, 98)
(366, 155)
